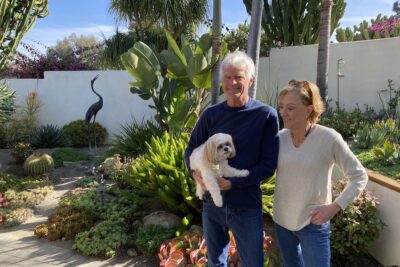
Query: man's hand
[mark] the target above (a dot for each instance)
(324, 213)
(198, 178)
(224, 184)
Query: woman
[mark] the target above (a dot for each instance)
(308, 151)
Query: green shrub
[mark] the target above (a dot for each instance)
(67, 154)
(80, 200)
(149, 238)
(38, 163)
(21, 151)
(344, 122)
(368, 160)
(355, 228)
(78, 133)
(268, 188)
(131, 140)
(49, 136)
(101, 240)
(162, 172)
(3, 136)
(24, 121)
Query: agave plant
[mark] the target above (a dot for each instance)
(49, 136)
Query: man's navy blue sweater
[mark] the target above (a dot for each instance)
(254, 129)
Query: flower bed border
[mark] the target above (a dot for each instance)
(384, 180)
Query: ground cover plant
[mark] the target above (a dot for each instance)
(67, 154)
(19, 196)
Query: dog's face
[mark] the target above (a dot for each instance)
(219, 147)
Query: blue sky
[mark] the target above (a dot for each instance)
(85, 17)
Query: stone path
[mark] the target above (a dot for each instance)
(19, 247)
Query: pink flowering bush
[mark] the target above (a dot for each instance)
(34, 63)
(386, 29)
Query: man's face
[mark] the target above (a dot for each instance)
(236, 84)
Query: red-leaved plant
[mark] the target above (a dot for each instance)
(189, 250)
(3, 203)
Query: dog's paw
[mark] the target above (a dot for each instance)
(218, 202)
(243, 173)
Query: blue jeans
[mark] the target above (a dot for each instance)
(246, 226)
(308, 247)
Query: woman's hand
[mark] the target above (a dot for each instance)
(198, 178)
(324, 213)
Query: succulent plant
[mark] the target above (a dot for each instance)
(38, 163)
(49, 136)
(41, 230)
(21, 151)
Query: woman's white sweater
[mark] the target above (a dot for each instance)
(304, 175)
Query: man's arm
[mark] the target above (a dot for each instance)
(269, 155)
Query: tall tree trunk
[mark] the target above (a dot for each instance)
(253, 44)
(323, 49)
(216, 32)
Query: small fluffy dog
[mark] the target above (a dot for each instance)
(211, 159)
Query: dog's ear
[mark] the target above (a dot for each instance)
(210, 151)
(233, 153)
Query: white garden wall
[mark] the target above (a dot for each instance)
(66, 96)
(368, 66)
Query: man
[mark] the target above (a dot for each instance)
(254, 129)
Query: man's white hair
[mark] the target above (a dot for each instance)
(240, 60)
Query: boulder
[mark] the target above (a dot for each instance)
(162, 218)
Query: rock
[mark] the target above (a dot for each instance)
(196, 229)
(136, 225)
(162, 218)
(132, 253)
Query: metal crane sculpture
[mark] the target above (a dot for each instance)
(92, 112)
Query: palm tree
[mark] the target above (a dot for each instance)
(323, 48)
(216, 32)
(253, 45)
(175, 16)
(147, 21)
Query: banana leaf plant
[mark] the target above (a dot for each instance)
(177, 80)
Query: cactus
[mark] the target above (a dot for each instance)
(295, 22)
(17, 18)
(38, 163)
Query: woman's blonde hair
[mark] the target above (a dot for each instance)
(309, 95)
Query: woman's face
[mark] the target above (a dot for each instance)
(293, 111)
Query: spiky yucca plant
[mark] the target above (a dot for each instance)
(49, 136)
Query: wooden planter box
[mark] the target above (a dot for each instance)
(386, 249)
